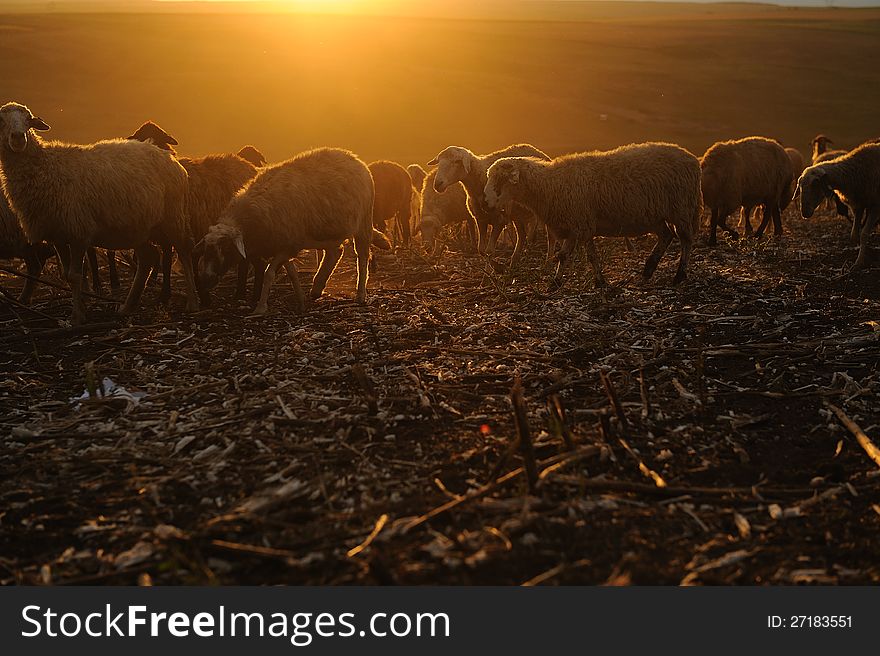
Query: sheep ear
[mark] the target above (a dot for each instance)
(466, 163)
(434, 162)
(37, 123)
(239, 245)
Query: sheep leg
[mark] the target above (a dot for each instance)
(328, 265)
(855, 231)
(713, 227)
(764, 222)
(300, 298)
(561, 258)
(745, 219)
(664, 238)
(185, 254)
(94, 270)
(520, 230)
(593, 256)
(362, 250)
(493, 238)
(76, 253)
(482, 229)
(870, 222)
(268, 278)
(241, 284)
(259, 267)
(167, 259)
(551, 243)
(687, 245)
(63, 252)
(147, 258)
(471, 235)
(111, 269)
(777, 220)
(404, 218)
(34, 268)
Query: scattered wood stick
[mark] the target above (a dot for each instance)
(863, 440)
(549, 463)
(380, 524)
(612, 397)
(558, 422)
(524, 435)
(647, 471)
(50, 283)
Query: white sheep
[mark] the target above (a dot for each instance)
(457, 164)
(855, 178)
(112, 194)
(627, 192)
(318, 199)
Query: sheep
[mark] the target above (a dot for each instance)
(213, 181)
(745, 173)
(252, 155)
(796, 161)
(854, 177)
(393, 197)
(111, 194)
(317, 199)
(625, 192)
(820, 152)
(440, 210)
(417, 174)
(457, 164)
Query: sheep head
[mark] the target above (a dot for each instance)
(429, 227)
(151, 133)
(252, 155)
(453, 164)
(813, 187)
(417, 174)
(16, 122)
(222, 247)
(502, 179)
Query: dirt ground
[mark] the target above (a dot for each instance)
(378, 445)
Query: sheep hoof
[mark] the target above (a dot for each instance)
(192, 307)
(678, 280)
(258, 312)
(601, 283)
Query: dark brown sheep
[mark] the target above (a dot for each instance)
(744, 174)
(394, 192)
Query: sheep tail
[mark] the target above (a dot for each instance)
(380, 240)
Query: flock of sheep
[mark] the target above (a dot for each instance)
(234, 209)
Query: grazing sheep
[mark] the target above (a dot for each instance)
(417, 174)
(854, 177)
(393, 197)
(745, 173)
(457, 164)
(252, 155)
(440, 210)
(318, 199)
(111, 194)
(796, 160)
(213, 181)
(630, 191)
